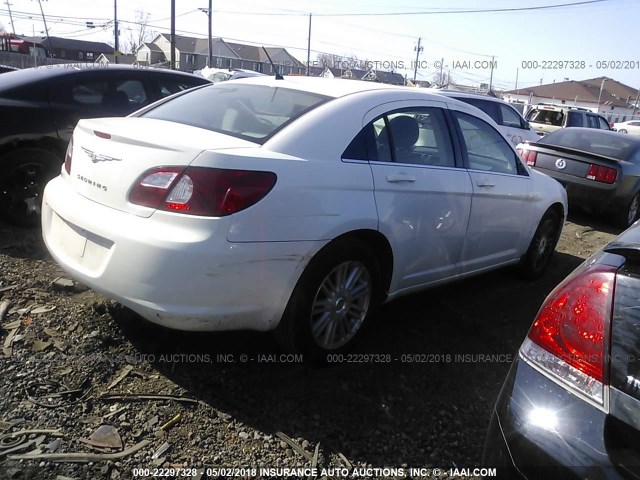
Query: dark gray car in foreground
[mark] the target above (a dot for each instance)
(39, 108)
(600, 169)
(570, 406)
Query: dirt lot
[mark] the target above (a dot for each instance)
(420, 395)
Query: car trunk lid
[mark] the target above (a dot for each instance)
(571, 162)
(110, 155)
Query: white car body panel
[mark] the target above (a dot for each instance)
(238, 271)
(628, 126)
(515, 135)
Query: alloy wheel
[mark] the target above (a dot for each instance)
(341, 305)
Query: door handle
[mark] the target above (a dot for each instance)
(399, 178)
(485, 183)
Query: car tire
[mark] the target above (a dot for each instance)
(26, 172)
(629, 214)
(339, 288)
(543, 244)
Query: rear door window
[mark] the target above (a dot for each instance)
(547, 117)
(575, 119)
(416, 136)
(420, 137)
(592, 121)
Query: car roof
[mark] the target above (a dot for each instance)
(457, 94)
(25, 76)
(329, 87)
(341, 87)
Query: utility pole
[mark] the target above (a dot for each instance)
(209, 11)
(491, 77)
(600, 94)
(46, 29)
(173, 35)
(309, 48)
(116, 48)
(635, 105)
(517, 72)
(13, 28)
(210, 60)
(441, 77)
(418, 49)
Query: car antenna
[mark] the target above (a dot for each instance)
(275, 69)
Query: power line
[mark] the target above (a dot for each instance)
(424, 12)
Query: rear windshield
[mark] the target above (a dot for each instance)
(548, 117)
(251, 112)
(614, 145)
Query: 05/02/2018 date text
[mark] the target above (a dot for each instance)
(580, 64)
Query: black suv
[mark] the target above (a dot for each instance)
(39, 108)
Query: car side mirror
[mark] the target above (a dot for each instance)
(527, 125)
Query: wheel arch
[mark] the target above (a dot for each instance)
(559, 209)
(51, 144)
(381, 249)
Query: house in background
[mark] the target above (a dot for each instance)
(72, 49)
(601, 94)
(123, 59)
(150, 54)
(370, 75)
(192, 54)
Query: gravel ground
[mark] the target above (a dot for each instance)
(418, 392)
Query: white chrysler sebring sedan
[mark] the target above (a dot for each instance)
(295, 205)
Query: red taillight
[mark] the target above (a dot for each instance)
(602, 174)
(529, 156)
(573, 326)
(201, 191)
(67, 157)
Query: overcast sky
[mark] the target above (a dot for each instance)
(587, 34)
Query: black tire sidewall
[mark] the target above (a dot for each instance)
(51, 165)
(623, 218)
(528, 269)
(296, 321)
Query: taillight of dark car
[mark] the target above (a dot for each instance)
(602, 174)
(529, 156)
(569, 339)
(201, 191)
(67, 157)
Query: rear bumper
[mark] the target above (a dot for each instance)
(541, 430)
(175, 270)
(597, 197)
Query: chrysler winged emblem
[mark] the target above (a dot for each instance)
(96, 157)
(561, 163)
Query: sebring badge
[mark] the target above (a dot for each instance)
(561, 163)
(96, 157)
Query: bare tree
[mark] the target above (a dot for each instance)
(329, 60)
(138, 33)
(337, 61)
(442, 77)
